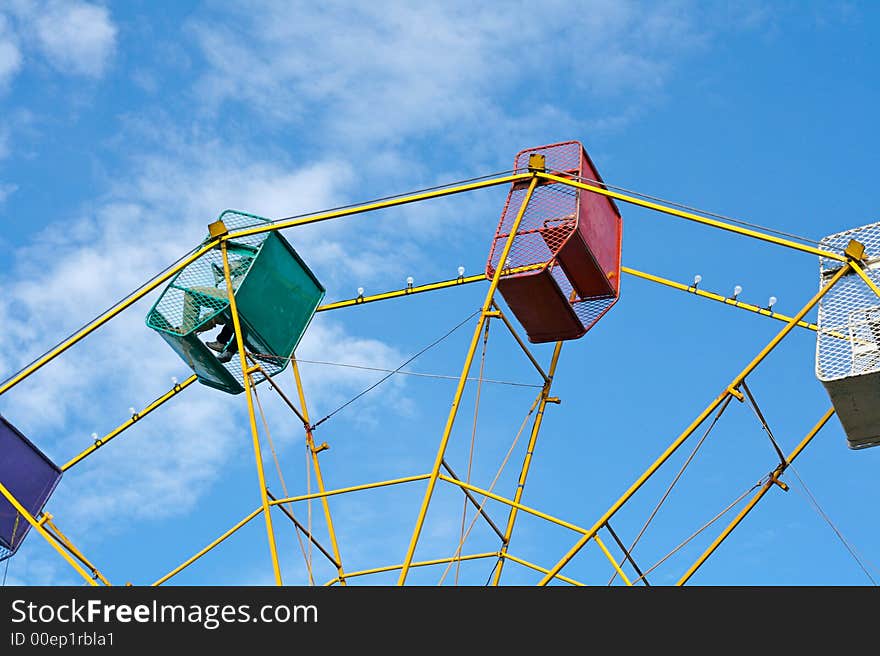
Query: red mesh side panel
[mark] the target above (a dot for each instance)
(549, 220)
(563, 157)
(570, 239)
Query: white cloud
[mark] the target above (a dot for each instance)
(75, 37)
(400, 69)
(6, 190)
(10, 55)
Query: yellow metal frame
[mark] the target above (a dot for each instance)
(423, 563)
(694, 425)
(772, 479)
(459, 391)
(64, 541)
(696, 218)
(538, 568)
(170, 394)
(319, 478)
(611, 559)
(248, 388)
(527, 460)
(38, 526)
(219, 237)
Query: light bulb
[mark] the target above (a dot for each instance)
(174, 380)
(460, 271)
(409, 281)
(737, 291)
(94, 437)
(132, 411)
(360, 291)
(771, 301)
(698, 279)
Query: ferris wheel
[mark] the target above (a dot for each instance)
(235, 308)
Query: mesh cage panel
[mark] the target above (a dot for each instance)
(198, 294)
(549, 220)
(559, 158)
(848, 342)
(588, 310)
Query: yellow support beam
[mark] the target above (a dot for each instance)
(406, 291)
(275, 502)
(509, 556)
(690, 216)
(527, 460)
(455, 282)
(864, 276)
(92, 326)
(771, 481)
(255, 435)
(174, 391)
(56, 533)
(305, 531)
(462, 381)
(423, 563)
(319, 478)
(694, 425)
(354, 488)
(611, 559)
(513, 504)
(380, 205)
(208, 548)
(717, 297)
(46, 535)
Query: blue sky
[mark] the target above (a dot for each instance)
(125, 128)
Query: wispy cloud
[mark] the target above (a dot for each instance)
(6, 190)
(10, 55)
(75, 37)
(399, 70)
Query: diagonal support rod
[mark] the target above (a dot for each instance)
(694, 425)
(626, 553)
(304, 530)
(763, 421)
(65, 542)
(319, 477)
(772, 480)
(470, 497)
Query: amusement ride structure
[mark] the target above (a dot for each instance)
(555, 260)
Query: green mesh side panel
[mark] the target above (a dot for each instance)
(279, 297)
(275, 292)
